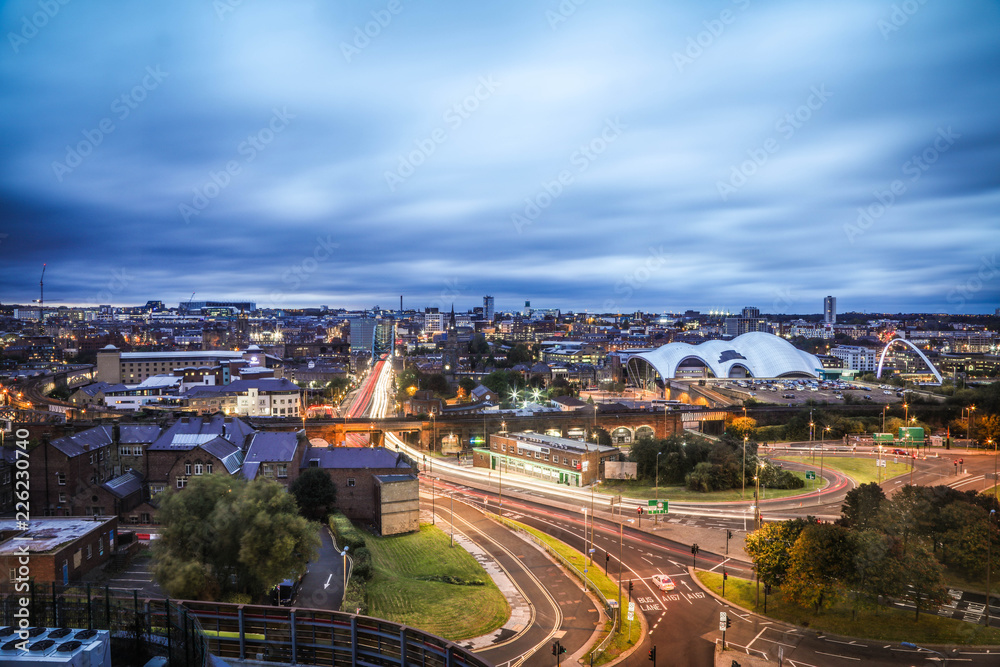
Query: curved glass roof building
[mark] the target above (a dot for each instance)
(754, 354)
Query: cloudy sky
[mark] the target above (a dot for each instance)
(591, 155)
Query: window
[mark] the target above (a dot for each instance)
(62, 497)
(124, 451)
(155, 488)
(197, 468)
(282, 470)
(100, 546)
(90, 551)
(181, 482)
(350, 481)
(538, 455)
(576, 462)
(144, 518)
(187, 468)
(208, 468)
(61, 478)
(565, 461)
(92, 458)
(13, 574)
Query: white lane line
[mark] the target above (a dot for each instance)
(850, 643)
(646, 559)
(720, 564)
(834, 655)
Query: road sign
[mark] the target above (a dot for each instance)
(810, 474)
(722, 620)
(651, 503)
(592, 550)
(881, 463)
(631, 615)
(631, 607)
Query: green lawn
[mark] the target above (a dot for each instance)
(891, 625)
(859, 468)
(423, 582)
(682, 494)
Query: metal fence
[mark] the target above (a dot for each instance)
(187, 631)
(140, 628)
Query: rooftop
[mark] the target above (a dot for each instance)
(47, 534)
(353, 457)
(559, 443)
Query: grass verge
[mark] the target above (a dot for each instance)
(420, 580)
(859, 468)
(682, 494)
(623, 638)
(887, 624)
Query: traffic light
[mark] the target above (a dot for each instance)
(960, 461)
(729, 534)
(638, 510)
(652, 655)
(607, 557)
(630, 588)
(729, 622)
(695, 549)
(562, 649)
(725, 575)
(555, 648)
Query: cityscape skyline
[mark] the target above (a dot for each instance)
(579, 156)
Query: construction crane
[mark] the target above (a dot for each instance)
(187, 308)
(41, 295)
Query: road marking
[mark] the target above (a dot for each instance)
(834, 655)
(720, 564)
(685, 584)
(646, 559)
(850, 643)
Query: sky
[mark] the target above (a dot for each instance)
(582, 155)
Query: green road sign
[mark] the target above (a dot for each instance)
(810, 474)
(657, 507)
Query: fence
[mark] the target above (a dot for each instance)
(139, 628)
(188, 631)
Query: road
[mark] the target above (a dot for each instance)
(322, 586)
(560, 610)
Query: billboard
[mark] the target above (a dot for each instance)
(620, 470)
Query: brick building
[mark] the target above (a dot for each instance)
(275, 455)
(59, 549)
(397, 504)
(195, 446)
(353, 471)
(545, 457)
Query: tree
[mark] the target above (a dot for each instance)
(742, 426)
(520, 354)
(770, 547)
(925, 578)
(436, 383)
(467, 385)
(820, 564)
(315, 494)
(861, 506)
(222, 537)
(876, 568)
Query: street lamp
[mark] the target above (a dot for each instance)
(433, 431)
(885, 408)
(989, 564)
(344, 554)
(744, 475)
(822, 451)
(586, 549)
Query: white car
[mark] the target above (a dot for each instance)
(663, 582)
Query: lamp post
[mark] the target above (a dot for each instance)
(451, 518)
(744, 475)
(344, 554)
(586, 549)
(433, 431)
(968, 430)
(989, 563)
(657, 496)
(996, 483)
(885, 408)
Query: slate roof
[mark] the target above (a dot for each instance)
(124, 485)
(230, 455)
(84, 441)
(137, 434)
(242, 386)
(93, 389)
(354, 457)
(272, 446)
(197, 430)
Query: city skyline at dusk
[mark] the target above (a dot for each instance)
(581, 156)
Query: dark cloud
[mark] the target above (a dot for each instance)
(745, 145)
